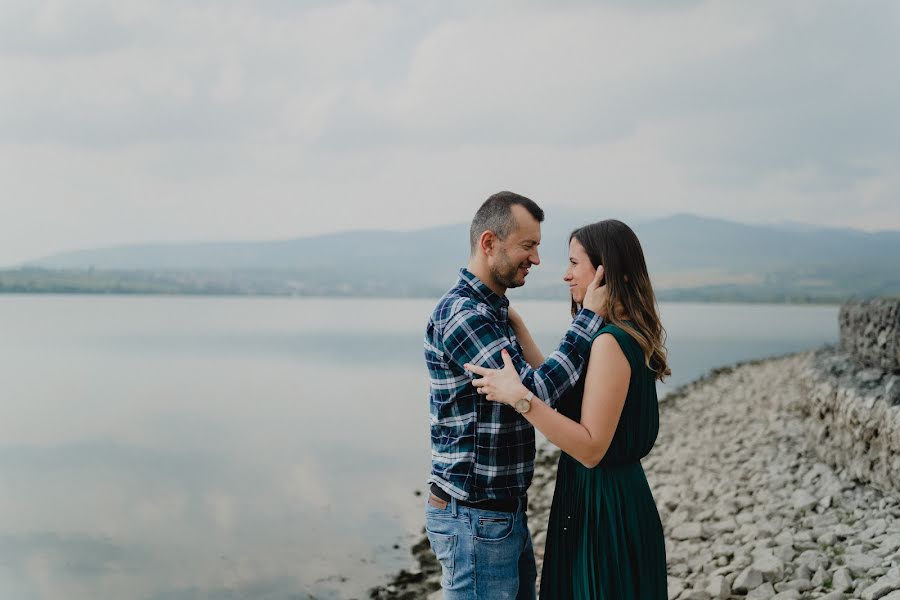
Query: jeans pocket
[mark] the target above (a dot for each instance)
(493, 527)
(444, 548)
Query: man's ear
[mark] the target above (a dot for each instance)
(487, 242)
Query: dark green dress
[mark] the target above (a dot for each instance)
(604, 538)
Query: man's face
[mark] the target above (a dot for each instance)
(518, 252)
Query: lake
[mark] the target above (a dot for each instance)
(261, 448)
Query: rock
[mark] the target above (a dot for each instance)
(674, 587)
(763, 592)
(717, 587)
(861, 563)
(801, 585)
(813, 560)
(687, 531)
(769, 566)
(803, 500)
(841, 580)
(784, 538)
(881, 588)
(749, 579)
(785, 553)
(827, 539)
(843, 531)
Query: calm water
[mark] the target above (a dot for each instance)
(155, 447)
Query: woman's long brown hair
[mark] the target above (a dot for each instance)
(614, 245)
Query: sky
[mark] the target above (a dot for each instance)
(182, 120)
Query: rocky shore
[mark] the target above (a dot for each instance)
(773, 479)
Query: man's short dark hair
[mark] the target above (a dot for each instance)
(496, 215)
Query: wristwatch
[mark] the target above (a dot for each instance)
(523, 405)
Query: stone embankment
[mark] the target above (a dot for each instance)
(773, 479)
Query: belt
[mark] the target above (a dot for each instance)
(498, 504)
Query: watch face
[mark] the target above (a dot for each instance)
(522, 405)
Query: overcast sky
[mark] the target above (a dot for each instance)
(173, 120)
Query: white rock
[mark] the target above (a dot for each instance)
(827, 539)
(841, 580)
(881, 588)
(687, 531)
(771, 568)
(861, 563)
(763, 592)
(803, 500)
(718, 587)
(749, 579)
(801, 585)
(813, 560)
(674, 587)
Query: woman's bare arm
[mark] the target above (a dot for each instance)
(533, 354)
(606, 386)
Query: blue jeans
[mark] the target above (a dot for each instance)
(484, 554)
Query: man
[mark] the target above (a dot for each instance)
(483, 452)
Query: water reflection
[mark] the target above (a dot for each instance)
(246, 448)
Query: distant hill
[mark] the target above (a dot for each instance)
(690, 258)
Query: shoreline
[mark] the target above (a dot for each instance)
(424, 579)
(748, 510)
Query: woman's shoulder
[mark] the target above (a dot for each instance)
(612, 328)
(624, 339)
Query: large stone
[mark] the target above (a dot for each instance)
(841, 580)
(861, 563)
(881, 588)
(763, 592)
(803, 500)
(749, 579)
(674, 587)
(717, 587)
(771, 567)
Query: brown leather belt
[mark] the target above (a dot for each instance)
(440, 499)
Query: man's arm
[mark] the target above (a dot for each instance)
(472, 337)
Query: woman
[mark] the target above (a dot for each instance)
(604, 538)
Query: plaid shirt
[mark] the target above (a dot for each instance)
(481, 449)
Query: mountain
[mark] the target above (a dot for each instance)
(689, 257)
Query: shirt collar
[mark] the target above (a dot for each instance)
(484, 292)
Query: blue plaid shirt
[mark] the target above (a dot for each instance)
(482, 449)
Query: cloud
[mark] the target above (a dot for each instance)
(139, 121)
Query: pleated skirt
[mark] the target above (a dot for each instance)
(604, 538)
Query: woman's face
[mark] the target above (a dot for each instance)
(580, 272)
